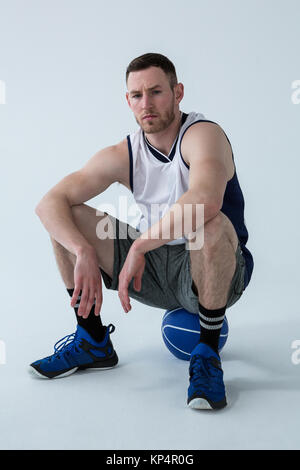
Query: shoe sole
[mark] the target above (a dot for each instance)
(33, 371)
(203, 404)
(111, 363)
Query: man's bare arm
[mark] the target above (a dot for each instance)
(107, 166)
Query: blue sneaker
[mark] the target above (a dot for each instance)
(206, 390)
(77, 351)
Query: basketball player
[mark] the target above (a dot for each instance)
(174, 159)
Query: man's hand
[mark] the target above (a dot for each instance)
(87, 279)
(133, 268)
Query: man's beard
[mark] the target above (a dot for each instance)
(158, 124)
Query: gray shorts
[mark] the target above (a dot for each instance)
(167, 282)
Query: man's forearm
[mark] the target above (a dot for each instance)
(55, 214)
(181, 220)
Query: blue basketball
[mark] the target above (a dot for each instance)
(181, 332)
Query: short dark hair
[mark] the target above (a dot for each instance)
(152, 59)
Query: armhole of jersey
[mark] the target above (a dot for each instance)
(130, 163)
(233, 163)
(205, 120)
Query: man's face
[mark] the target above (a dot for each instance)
(144, 99)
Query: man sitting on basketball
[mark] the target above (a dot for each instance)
(174, 160)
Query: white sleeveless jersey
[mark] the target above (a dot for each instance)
(157, 181)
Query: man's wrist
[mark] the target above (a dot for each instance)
(143, 245)
(83, 250)
(140, 245)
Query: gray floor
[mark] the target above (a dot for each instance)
(141, 404)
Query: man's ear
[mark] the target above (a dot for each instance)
(179, 93)
(127, 99)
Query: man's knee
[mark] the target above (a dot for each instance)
(216, 230)
(84, 210)
(80, 210)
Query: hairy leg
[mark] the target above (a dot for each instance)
(65, 262)
(213, 266)
(86, 221)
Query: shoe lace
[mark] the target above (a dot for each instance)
(63, 345)
(202, 372)
(68, 342)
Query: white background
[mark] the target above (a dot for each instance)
(63, 63)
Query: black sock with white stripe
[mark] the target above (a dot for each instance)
(92, 324)
(211, 322)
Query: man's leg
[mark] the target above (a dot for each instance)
(212, 270)
(65, 262)
(213, 266)
(90, 347)
(86, 221)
